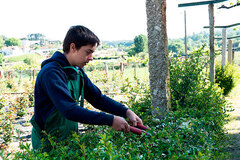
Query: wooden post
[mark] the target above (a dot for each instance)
(135, 70)
(113, 76)
(30, 75)
(233, 57)
(0, 74)
(224, 45)
(20, 77)
(211, 42)
(185, 24)
(33, 74)
(106, 70)
(121, 67)
(229, 51)
(9, 74)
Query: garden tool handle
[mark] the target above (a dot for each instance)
(141, 126)
(136, 130)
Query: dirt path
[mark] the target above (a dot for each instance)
(233, 129)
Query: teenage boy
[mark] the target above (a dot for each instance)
(61, 87)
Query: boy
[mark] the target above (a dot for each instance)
(59, 87)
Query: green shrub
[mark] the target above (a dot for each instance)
(185, 76)
(6, 127)
(227, 77)
(192, 91)
(191, 130)
(21, 105)
(30, 61)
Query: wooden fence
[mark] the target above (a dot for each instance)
(10, 74)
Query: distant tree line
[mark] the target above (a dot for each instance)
(197, 40)
(175, 46)
(139, 44)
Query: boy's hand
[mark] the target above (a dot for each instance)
(134, 119)
(120, 124)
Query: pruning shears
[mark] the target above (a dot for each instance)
(140, 129)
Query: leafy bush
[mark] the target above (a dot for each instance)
(191, 130)
(227, 77)
(21, 105)
(6, 126)
(30, 60)
(192, 91)
(11, 84)
(177, 136)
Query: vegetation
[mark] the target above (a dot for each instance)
(12, 42)
(227, 77)
(193, 129)
(23, 57)
(2, 59)
(140, 45)
(176, 46)
(1, 42)
(195, 41)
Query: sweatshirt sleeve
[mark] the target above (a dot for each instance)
(55, 85)
(94, 96)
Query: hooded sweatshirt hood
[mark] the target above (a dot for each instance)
(57, 57)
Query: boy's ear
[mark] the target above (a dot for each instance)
(72, 47)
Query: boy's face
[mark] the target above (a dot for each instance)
(83, 55)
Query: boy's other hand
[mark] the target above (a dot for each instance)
(134, 119)
(120, 124)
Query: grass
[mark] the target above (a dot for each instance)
(22, 57)
(141, 73)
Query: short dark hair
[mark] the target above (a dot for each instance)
(80, 36)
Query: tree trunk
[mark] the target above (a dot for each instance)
(158, 56)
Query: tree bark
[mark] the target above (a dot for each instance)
(158, 56)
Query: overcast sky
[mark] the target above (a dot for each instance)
(109, 19)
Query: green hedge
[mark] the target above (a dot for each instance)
(227, 77)
(193, 129)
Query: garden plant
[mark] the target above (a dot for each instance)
(192, 129)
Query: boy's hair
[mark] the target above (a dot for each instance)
(80, 36)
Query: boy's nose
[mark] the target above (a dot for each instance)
(90, 57)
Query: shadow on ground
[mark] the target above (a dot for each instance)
(233, 146)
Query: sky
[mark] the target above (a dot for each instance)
(109, 19)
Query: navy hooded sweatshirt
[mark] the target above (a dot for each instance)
(51, 92)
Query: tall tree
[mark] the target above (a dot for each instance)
(12, 42)
(176, 46)
(158, 56)
(140, 43)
